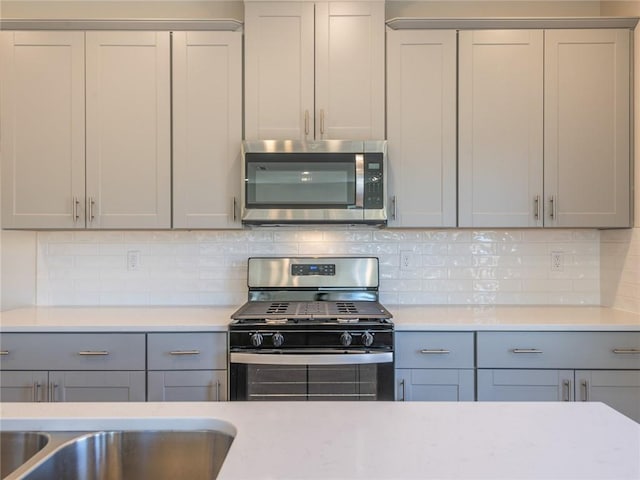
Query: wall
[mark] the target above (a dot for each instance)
(209, 267)
(471, 8)
(18, 269)
(620, 249)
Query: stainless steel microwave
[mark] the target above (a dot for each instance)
(326, 181)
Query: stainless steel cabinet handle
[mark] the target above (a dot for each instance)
(234, 207)
(217, 390)
(393, 208)
(93, 353)
(525, 350)
(90, 204)
(402, 388)
(76, 209)
(321, 121)
(626, 351)
(585, 390)
(536, 207)
(52, 391)
(429, 351)
(35, 391)
(553, 203)
(566, 391)
(306, 123)
(4, 352)
(185, 352)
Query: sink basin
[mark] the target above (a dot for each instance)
(18, 447)
(140, 455)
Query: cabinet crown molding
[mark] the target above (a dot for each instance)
(224, 24)
(415, 23)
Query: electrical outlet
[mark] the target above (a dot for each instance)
(133, 260)
(409, 260)
(557, 262)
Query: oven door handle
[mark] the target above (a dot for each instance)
(311, 359)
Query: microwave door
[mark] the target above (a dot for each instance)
(297, 188)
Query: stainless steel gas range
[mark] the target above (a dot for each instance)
(312, 329)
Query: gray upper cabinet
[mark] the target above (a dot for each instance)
(314, 70)
(500, 128)
(421, 127)
(587, 128)
(207, 129)
(128, 130)
(42, 120)
(565, 166)
(86, 134)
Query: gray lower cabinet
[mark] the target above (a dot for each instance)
(186, 367)
(435, 366)
(561, 366)
(72, 367)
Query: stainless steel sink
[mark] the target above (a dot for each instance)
(18, 447)
(139, 455)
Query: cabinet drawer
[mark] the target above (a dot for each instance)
(434, 350)
(611, 350)
(72, 351)
(187, 351)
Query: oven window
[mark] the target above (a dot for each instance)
(311, 382)
(300, 182)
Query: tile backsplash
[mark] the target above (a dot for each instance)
(620, 269)
(416, 266)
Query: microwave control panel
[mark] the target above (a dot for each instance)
(373, 181)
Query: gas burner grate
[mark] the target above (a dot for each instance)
(346, 307)
(278, 307)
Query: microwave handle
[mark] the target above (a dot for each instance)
(359, 180)
(310, 358)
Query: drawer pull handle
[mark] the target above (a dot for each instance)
(626, 351)
(93, 353)
(566, 387)
(434, 351)
(404, 391)
(525, 350)
(585, 391)
(217, 390)
(185, 352)
(4, 352)
(35, 391)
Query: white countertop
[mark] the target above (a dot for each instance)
(405, 317)
(380, 440)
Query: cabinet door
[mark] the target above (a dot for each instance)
(187, 386)
(525, 385)
(279, 70)
(421, 127)
(23, 386)
(435, 385)
(42, 129)
(349, 53)
(586, 109)
(128, 130)
(207, 128)
(500, 128)
(618, 389)
(103, 386)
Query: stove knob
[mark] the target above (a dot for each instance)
(256, 339)
(277, 339)
(367, 339)
(345, 339)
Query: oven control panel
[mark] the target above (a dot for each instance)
(326, 269)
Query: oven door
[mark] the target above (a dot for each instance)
(307, 376)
